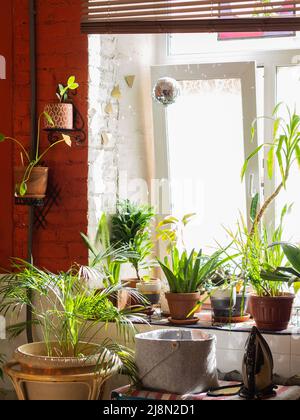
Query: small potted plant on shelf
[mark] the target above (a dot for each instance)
(31, 179)
(62, 113)
(70, 362)
(131, 227)
(283, 150)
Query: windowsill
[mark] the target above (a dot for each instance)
(205, 323)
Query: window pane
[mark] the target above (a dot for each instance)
(205, 140)
(288, 91)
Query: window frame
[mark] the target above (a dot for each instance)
(270, 60)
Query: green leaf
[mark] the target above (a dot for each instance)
(292, 253)
(245, 166)
(296, 287)
(276, 127)
(187, 218)
(74, 86)
(297, 152)
(254, 207)
(71, 80)
(23, 189)
(49, 118)
(270, 162)
(275, 110)
(2, 137)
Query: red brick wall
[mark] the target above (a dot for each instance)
(6, 200)
(61, 51)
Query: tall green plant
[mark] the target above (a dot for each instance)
(131, 228)
(284, 148)
(31, 163)
(254, 254)
(68, 314)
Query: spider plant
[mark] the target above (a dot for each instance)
(131, 228)
(284, 148)
(68, 314)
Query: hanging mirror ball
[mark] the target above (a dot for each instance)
(166, 91)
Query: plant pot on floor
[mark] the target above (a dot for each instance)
(181, 304)
(37, 183)
(36, 376)
(61, 115)
(272, 313)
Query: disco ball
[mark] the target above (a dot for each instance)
(166, 91)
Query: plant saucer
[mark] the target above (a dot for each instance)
(190, 321)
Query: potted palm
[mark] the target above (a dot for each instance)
(105, 264)
(68, 363)
(131, 228)
(31, 179)
(62, 113)
(283, 150)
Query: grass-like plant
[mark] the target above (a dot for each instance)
(30, 163)
(131, 228)
(69, 314)
(255, 256)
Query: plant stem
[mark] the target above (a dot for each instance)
(47, 150)
(21, 145)
(263, 209)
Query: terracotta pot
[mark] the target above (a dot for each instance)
(130, 283)
(61, 114)
(181, 304)
(37, 183)
(36, 376)
(272, 313)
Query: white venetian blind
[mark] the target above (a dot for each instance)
(158, 16)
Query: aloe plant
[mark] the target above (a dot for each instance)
(21, 188)
(188, 273)
(284, 148)
(62, 93)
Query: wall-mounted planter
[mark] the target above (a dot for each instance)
(62, 115)
(37, 183)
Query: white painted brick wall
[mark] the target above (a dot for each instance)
(111, 58)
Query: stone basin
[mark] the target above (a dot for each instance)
(178, 361)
